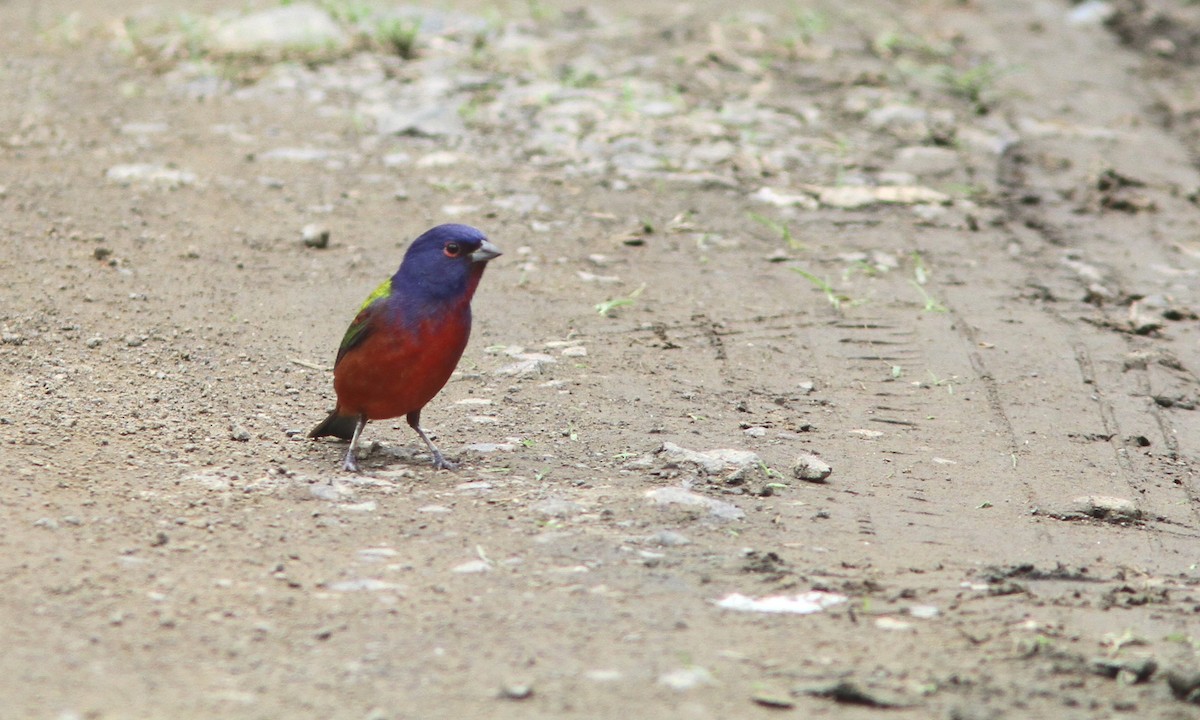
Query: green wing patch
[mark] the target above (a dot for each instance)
(358, 330)
(383, 290)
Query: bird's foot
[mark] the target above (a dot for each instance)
(350, 464)
(441, 463)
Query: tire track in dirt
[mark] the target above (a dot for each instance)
(908, 365)
(1065, 251)
(1123, 398)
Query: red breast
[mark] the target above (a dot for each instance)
(395, 371)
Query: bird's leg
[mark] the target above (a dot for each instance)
(350, 464)
(439, 462)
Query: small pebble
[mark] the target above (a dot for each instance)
(559, 508)
(1103, 507)
(474, 486)
(869, 434)
(924, 612)
(811, 468)
(1129, 671)
(778, 701)
(363, 584)
(603, 675)
(667, 538)
(490, 447)
(679, 496)
(323, 491)
(685, 679)
(516, 691)
(1185, 684)
(472, 566)
(315, 236)
(890, 623)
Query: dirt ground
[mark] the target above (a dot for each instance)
(996, 354)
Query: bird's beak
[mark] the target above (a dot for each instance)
(486, 252)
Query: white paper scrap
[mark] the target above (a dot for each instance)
(802, 604)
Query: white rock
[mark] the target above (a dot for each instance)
(848, 197)
(332, 491)
(667, 538)
(809, 467)
(687, 498)
(361, 584)
(301, 27)
(149, 174)
(603, 675)
(684, 679)
(474, 486)
(314, 235)
(527, 364)
(710, 461)
(490, 447)
(439, 159)
(472, 566)
(436, 117)
(890, 623)
(298, 154)
(774, 197)
(1104, 507)
(869, 434)
(556, 507)
(143, 128)
(1090, 12)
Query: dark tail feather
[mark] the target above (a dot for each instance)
(341, 426)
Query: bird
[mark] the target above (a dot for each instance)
(408, 337)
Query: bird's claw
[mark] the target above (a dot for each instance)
(350, 465)
(441, 463)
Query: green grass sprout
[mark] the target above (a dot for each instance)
(835, 299)
(604, 308)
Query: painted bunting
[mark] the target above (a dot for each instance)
(408, 336)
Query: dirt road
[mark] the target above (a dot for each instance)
(949, 250)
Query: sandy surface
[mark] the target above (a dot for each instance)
(997, 359)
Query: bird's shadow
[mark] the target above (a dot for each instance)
(378, 456)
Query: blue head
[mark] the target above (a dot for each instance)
(444, 264)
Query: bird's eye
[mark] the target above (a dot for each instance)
(452, 249)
